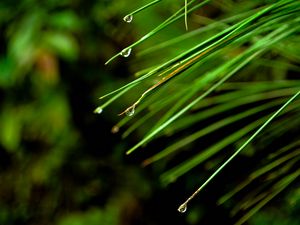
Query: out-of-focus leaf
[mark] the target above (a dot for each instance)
(91, 217)
(10, 130)
(23, 38)
(61, 43)
(65, 20)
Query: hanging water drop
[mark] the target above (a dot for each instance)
(129, 112)
(128, 18)
(126, 52)
(182, 208)
(98, 110)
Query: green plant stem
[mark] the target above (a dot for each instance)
(143, 7)
(185, 14)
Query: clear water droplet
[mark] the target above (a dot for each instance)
(129, 112)
(128, 18)
(115, 129)
(98, 110)
(182, 208)
(126, 52)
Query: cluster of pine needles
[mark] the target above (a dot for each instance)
(236, 74)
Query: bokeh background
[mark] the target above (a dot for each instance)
(59, 162)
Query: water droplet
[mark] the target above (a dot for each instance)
(182, 208)
(98, 110)
(126, 52)
(130, 111)
(115, 129)
(128, 18)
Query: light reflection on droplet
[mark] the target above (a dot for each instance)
(182, 208)
(126, 52)
(130, 112)
(98, 110)
(128, 18)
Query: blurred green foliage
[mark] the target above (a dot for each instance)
(51, 64)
